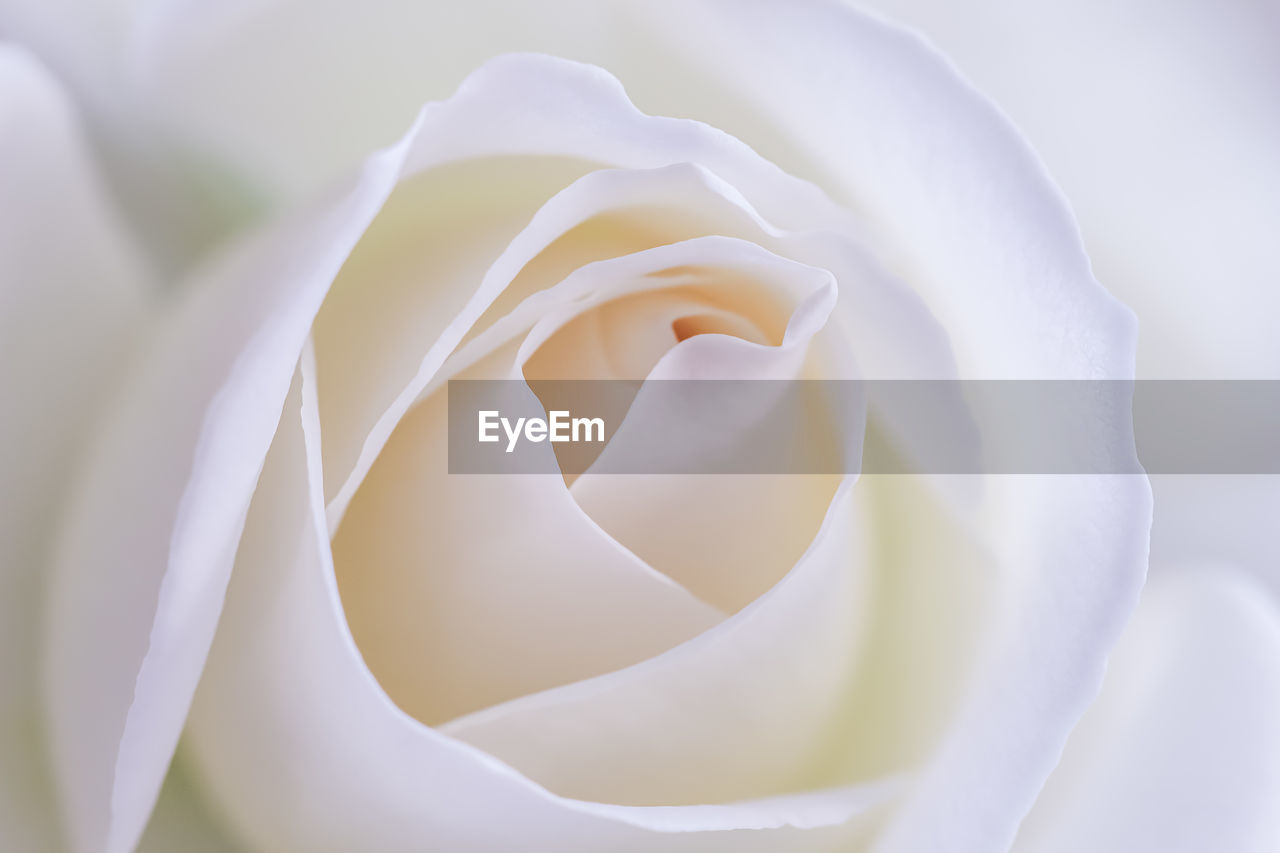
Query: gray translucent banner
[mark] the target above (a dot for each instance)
(873, 427)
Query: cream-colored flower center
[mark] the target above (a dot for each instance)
(527, 613)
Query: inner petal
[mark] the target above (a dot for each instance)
(412, 272)
(464, 591)
(767, 690)
(692, 325)
(726, 538)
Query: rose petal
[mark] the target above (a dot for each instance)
(1177, 190)
(716, 274)
(745, 710)
(727, 539)
(955, 198)
(1180, 752)
(148, 546)
(1176, 185)
(72, 290)
(921, 603)
(413, 272)
(464, 591)
(1071, 551)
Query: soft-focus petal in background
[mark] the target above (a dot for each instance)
(73, 290)
(1181, 752)
(182, 201)
(183, 821)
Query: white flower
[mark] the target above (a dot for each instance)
(265, 555)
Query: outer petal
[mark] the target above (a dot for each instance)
(72, 289)
(144, 558)
(954, 199)
(1181, 751)
(1159, 121)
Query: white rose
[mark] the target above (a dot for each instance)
(754, 715)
